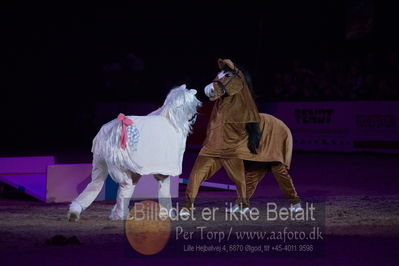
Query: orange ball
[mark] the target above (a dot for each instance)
(147, 231)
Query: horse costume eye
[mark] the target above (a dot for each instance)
(228, 75)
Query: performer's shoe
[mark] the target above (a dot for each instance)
(296, 208)
(245, 210)
(184, 212)
(235, 208)
(117, 215)
(172, 214)
(74, 211)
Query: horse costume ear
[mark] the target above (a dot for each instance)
(223, 62)
(182, 86)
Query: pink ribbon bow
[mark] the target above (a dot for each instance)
(125, 122)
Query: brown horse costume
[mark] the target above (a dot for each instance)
(247, 144)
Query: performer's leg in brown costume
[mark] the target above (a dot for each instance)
(284, 181)
(236, 171)
(205, 167)
(255, 171)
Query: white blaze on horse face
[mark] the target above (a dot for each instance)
(221, 74)
(209, 89)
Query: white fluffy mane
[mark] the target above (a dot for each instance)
(179, 108)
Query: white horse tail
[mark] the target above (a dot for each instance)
(107, 144)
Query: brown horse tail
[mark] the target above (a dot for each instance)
(254, 135)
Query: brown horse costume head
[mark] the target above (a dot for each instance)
(234, 103)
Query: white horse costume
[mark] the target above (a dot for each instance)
(132, 146)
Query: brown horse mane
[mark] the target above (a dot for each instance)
(252, 129)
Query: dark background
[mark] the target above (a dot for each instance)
(59, 62)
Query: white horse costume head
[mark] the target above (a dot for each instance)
(180, 108)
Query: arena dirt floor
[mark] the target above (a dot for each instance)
(361, 220)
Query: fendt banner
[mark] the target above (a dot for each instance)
(340, 126)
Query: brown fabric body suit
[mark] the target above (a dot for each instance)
(226, 143)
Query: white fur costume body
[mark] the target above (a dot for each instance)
(158, 148)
